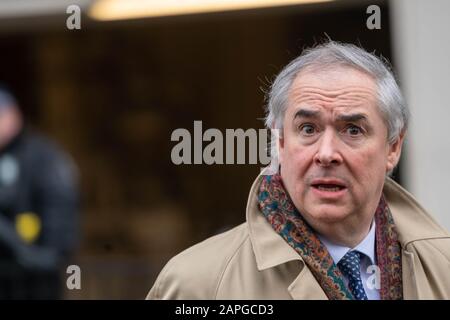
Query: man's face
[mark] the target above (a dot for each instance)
(10, 124)
(334, 152)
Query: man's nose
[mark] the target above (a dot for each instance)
(328, 150)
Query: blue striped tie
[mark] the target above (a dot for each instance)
(350, 268)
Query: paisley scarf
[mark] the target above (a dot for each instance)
(276, 205)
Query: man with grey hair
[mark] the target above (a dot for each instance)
(329, 223)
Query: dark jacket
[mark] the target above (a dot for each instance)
(37, 179)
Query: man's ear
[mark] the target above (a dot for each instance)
(394, 152)
(280, 143)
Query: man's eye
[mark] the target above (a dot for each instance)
(307, 129)
(353, 130)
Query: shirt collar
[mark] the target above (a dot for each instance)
(366, 246)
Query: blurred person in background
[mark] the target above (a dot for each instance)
(38, 208)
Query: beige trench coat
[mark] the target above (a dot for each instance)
(251, 261)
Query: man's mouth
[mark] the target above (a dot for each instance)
(328, 187)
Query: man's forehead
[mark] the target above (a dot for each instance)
(340, 114)
(317, 104)
(333, 80)
(333, 90)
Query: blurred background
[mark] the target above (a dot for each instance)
(109, 95)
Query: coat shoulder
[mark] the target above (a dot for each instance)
(436, 248)
(196, 272)
(429, 259)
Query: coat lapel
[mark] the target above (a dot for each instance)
(306, 287)
(272, 250)
(410, 289)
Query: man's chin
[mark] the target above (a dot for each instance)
(326, 213)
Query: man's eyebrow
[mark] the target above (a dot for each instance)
(353, 117)
(305, 113)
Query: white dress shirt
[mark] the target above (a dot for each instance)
(367, 247)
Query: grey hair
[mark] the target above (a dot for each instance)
(334, 54)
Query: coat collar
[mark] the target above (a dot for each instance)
(272, 250)
(412, 221)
